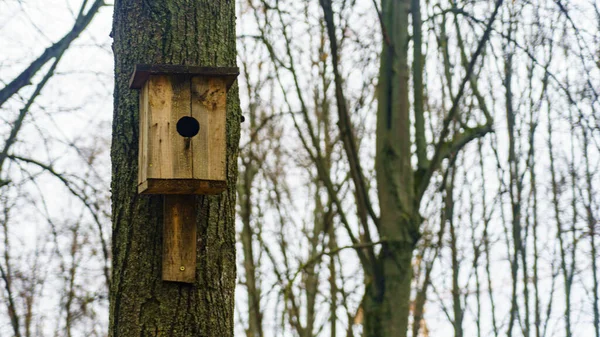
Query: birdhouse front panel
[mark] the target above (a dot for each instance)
(182, 138)
(208, 107)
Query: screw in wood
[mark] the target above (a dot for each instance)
(182, 268)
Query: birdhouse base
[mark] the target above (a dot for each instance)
(181, 186)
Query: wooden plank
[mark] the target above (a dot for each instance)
(181, 186)
(179, 239)
(181, 147)
(199, 86)
(159, 108)
(209, 108)
(170, 154)
(142, 72)
(143, 136)
(218, 134)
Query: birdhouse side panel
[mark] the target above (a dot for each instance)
(143, 136)
(209, 108)
(170, 154)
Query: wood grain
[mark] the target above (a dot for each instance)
(181, 186)
(159, 108)
(143, 136)
(181, 148)
(179, 238)
(208, 107)
(168, 162)
(170, 155)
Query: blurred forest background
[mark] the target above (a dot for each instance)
(504, 141)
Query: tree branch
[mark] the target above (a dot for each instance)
(345, 124)
(83, 198)
(24, 79)
(439, 150)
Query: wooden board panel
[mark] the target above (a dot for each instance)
(181, 147)
(143, 136)
(169, 154)
(179, 238)
(159, 107)
(181, 186)
(209, 108)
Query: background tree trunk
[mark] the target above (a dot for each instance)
(387, 299)
(200, 32)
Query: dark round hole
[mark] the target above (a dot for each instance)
(188, 126)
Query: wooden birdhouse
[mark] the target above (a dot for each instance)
(182, 150)
(182, 134)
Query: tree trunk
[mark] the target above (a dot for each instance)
(185, 32)
(387, 300)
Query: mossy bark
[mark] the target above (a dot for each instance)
(188, 32)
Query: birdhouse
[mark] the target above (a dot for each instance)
(182, 150)
(182, 135)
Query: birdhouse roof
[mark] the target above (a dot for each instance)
(141, 72)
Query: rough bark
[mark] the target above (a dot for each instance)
(200, 32)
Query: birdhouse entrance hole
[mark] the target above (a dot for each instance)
(188, 126)
(183, 128)
(182, 150)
